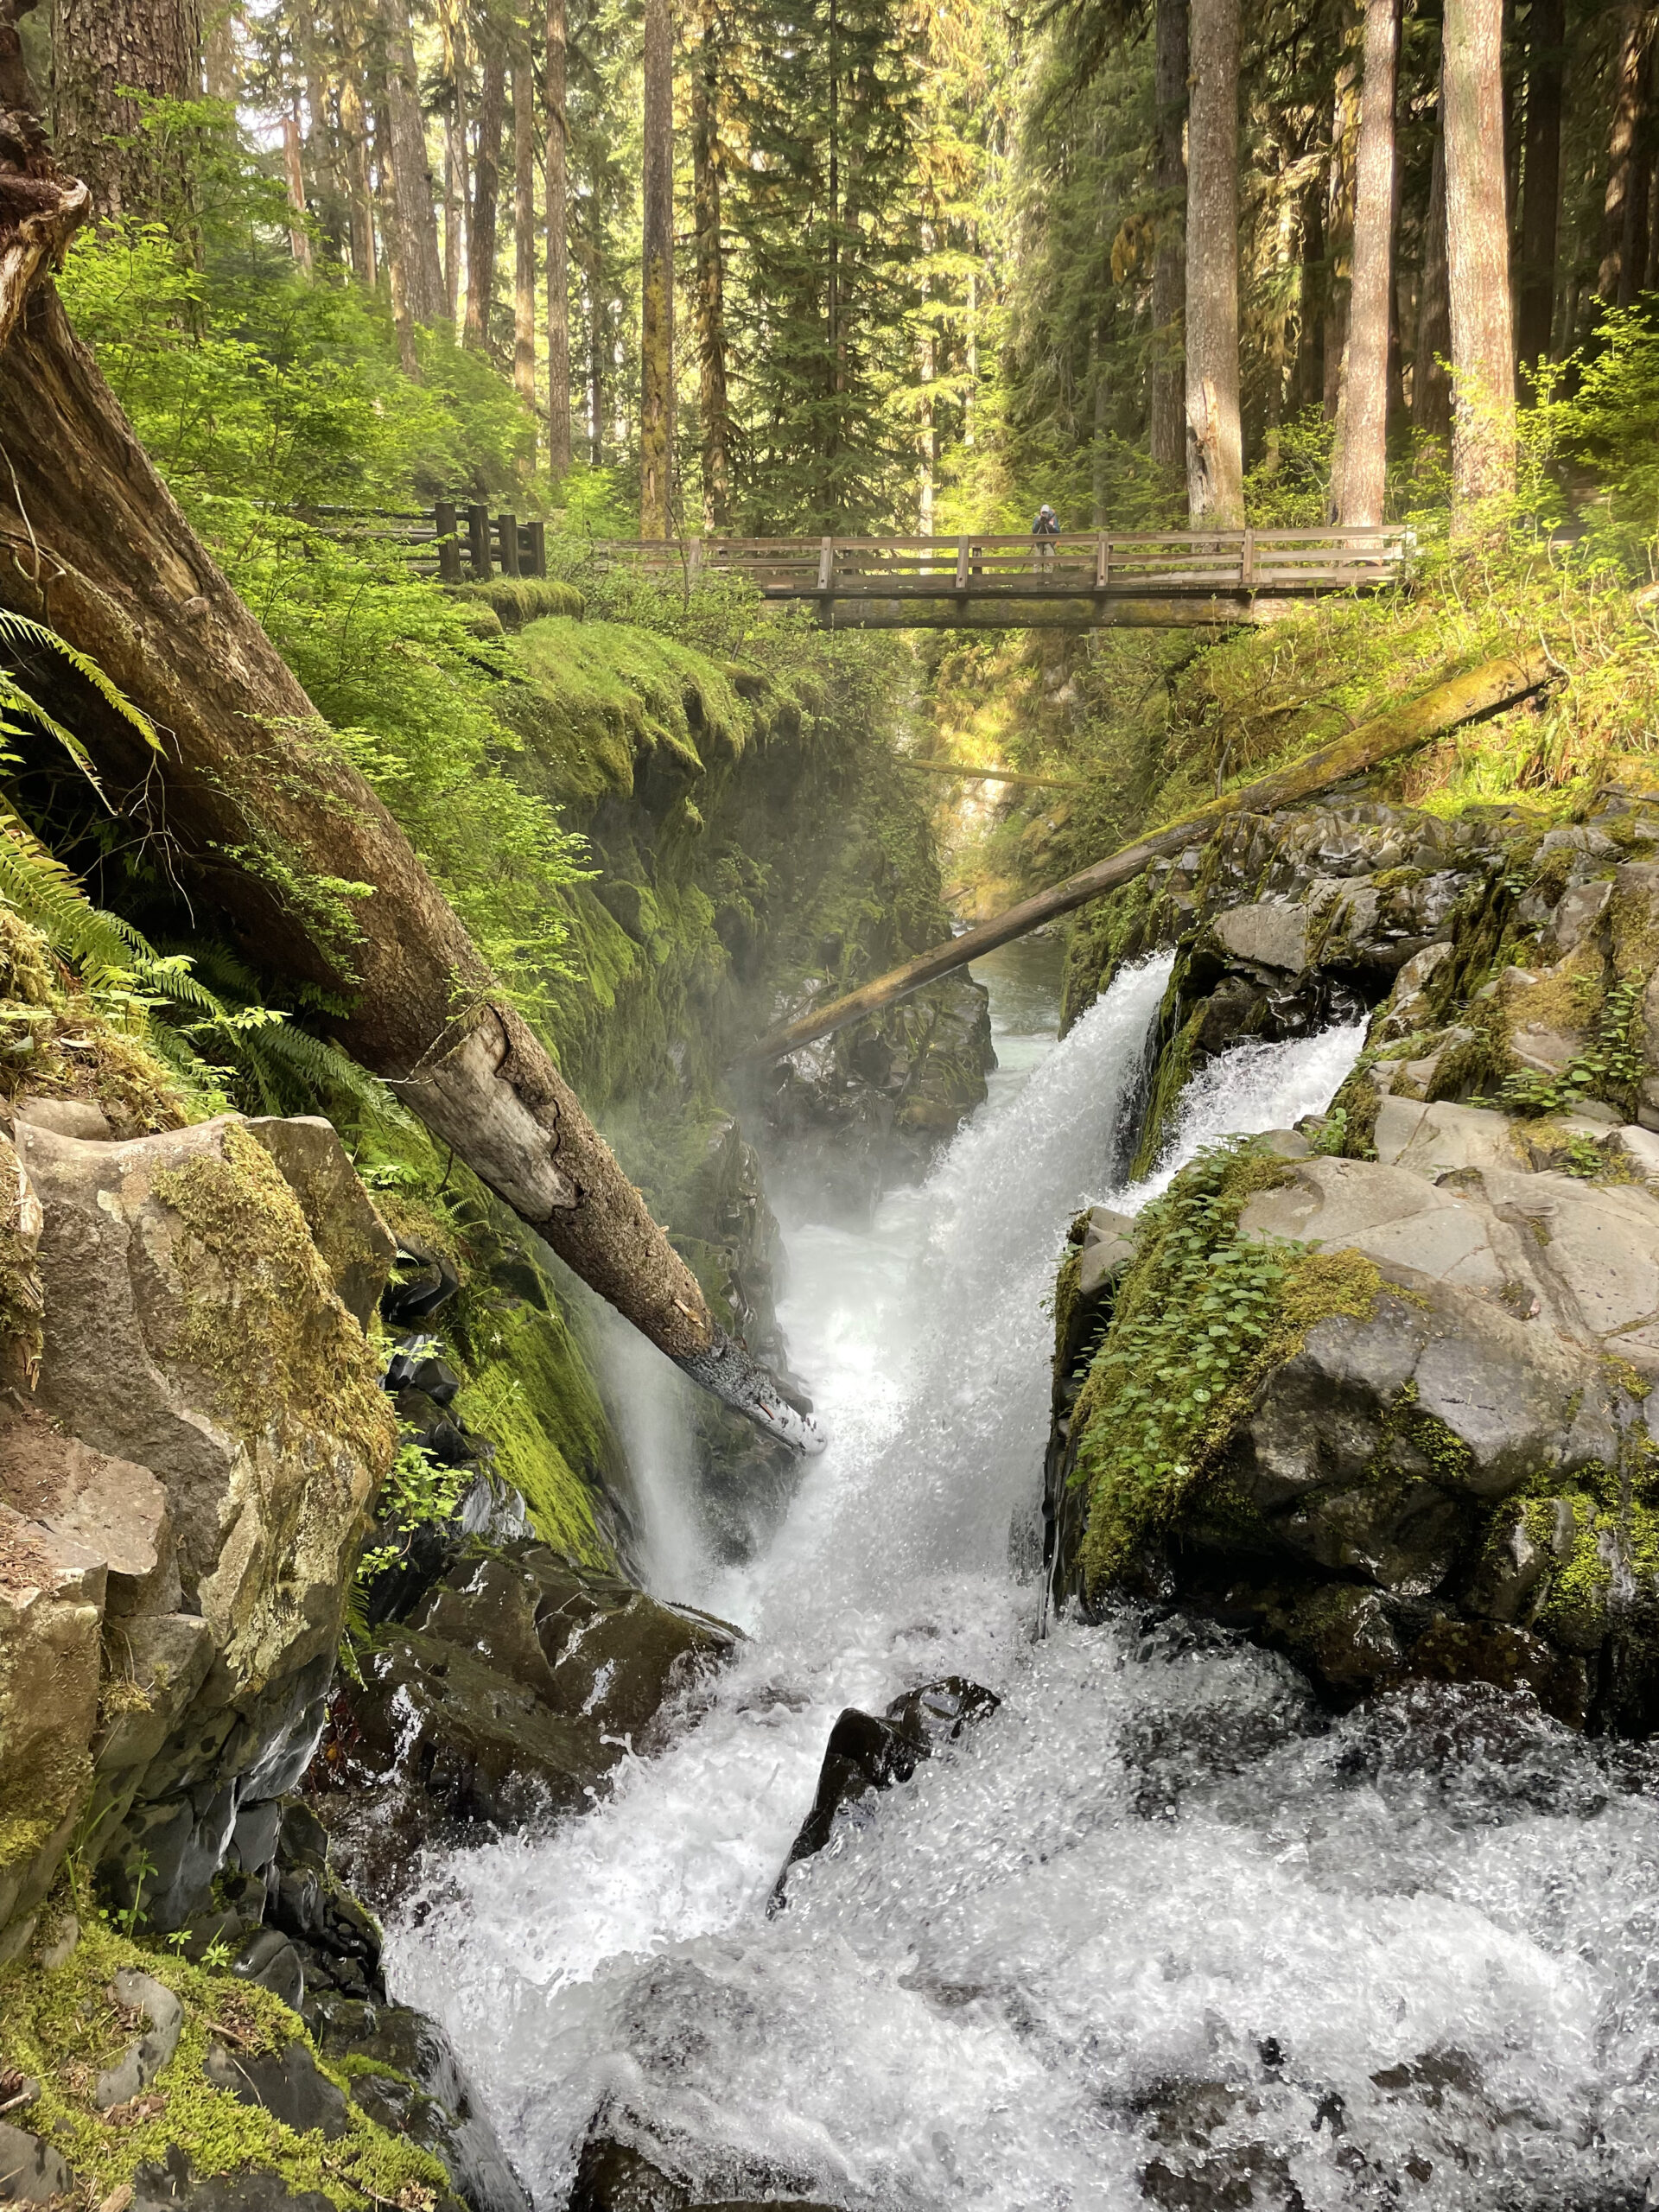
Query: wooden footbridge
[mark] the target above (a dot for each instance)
(1080, 579)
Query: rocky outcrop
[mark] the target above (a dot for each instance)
(869, 1106)
(1453, 1473)
(868, 1752)
(182, 1491)
(516, 1684)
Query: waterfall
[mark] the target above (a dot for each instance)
(1158, 1900)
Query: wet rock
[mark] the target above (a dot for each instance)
(409, 2080)
(144, 2059)
(356, 1246)
(172, 2186)
(287, 2084)
(516, 1686)
(614, 2176)
(268, 1958)
(868, 1752)
(423, 1281)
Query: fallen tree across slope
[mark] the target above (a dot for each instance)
(260, 815)
(1482, 690)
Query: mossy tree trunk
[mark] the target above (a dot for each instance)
(1215, 454)
(559, 258)
(103, 51)
(1169, 263)
(1360, 475)
(263, 818)
(1477, 257)
(524, 225)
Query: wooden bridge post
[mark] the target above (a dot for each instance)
(826, 565)
(1247, 561)
(443, 528)
(694, 565)
(962, 564)
(1102, 559)
(478, 543)
(507, 531)
(536, 533)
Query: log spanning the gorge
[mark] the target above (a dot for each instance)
(260, 816)
(1483, 690)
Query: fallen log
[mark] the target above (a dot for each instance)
(258, 813)
(1482, 690)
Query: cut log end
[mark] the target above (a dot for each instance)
(739, 1382)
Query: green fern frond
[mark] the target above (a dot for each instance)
(18, 632)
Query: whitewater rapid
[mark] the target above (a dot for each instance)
(1156, 1912)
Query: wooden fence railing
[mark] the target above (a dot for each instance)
(450, 539)
(454, 541)
(1075, 564)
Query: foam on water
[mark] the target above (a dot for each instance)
(1155, 1911)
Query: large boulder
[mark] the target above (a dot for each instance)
(516, 1685)
(183, 1488)
(1453, 1477)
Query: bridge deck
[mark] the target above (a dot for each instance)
(1079, 577)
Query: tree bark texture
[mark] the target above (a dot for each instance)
(1430, 382)
(1339, 205)
(354, 139)
(299, 239)
(1166, 380)
(713, 411)
(1215, 460)
(1496, 683)
(523, 227)
(1477, 256)
(1540, 190)
(558, 253)
(657, 279)
(41, 207)
(487, 191)
(220, 71)
(1618, 273)
(319, 150)
(98, 47)
(417, 219)
(92, 542)
(1361, 459)
(395, 240)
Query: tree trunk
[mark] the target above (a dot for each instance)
(395, 240)
(299, 239)
(1617, 275)
(1541, 181)
(486, 190)
(454, 198)
(558, 255)
(1430, 382)
(354, 139)
(1215, 460)
(220, 63)
(92, 542)
(1361, 472)
(1339, 205)
(1308, 384)
(657, 279)
(321, 148)
(713, 407)
(524, 226)
(1168, 435)
(100, 52)
(416, 212)
(1477, 257)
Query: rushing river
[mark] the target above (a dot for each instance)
(1156, 1931)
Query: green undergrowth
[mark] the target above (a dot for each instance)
(517, 1340)
(1201, 1315)
(62, 2027)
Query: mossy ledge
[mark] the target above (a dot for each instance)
(60, 2027)
(1200, 1316)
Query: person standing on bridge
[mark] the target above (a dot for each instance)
(1046, 526)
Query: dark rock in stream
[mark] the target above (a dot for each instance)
(518, 1681)
(868, 1752)
(615, 2178)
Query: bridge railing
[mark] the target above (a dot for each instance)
(1073, 564)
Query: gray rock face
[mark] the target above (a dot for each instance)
(144, 2059)
(182, 1492)
(31, 2172)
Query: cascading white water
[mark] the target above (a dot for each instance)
(1153, 1913)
